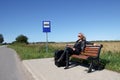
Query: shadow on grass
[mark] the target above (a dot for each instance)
(103, 62)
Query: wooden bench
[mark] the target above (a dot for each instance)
(90, 53)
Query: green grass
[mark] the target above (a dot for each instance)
(112, 60)
(32, 51)
(35, 51)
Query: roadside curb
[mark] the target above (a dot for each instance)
(27, 66)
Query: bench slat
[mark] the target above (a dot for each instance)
(91, 49)
(91, 54)
(80, 56)
(94, 52)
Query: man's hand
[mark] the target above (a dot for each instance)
(73, 49)
(96, 44)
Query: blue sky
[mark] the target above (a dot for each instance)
(97, 19)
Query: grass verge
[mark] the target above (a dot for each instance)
(112, 60)
(32, 51)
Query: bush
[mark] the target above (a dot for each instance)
(21, 39)
(1, 38)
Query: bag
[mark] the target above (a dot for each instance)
(57, 55)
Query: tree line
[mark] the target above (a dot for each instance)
(19, 39)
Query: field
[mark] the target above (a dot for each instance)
(110, 54)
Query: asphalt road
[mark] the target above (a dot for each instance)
(11, 68)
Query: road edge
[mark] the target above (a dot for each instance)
(27, 66)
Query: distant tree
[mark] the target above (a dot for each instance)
(1, 38)
(22, 39)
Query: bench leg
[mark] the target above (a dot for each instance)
(90, 67)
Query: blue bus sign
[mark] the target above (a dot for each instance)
(46, 26)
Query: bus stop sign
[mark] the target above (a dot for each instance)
(46, 26)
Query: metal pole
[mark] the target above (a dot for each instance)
(46, 42)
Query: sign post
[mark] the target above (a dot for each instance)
(46, 29)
